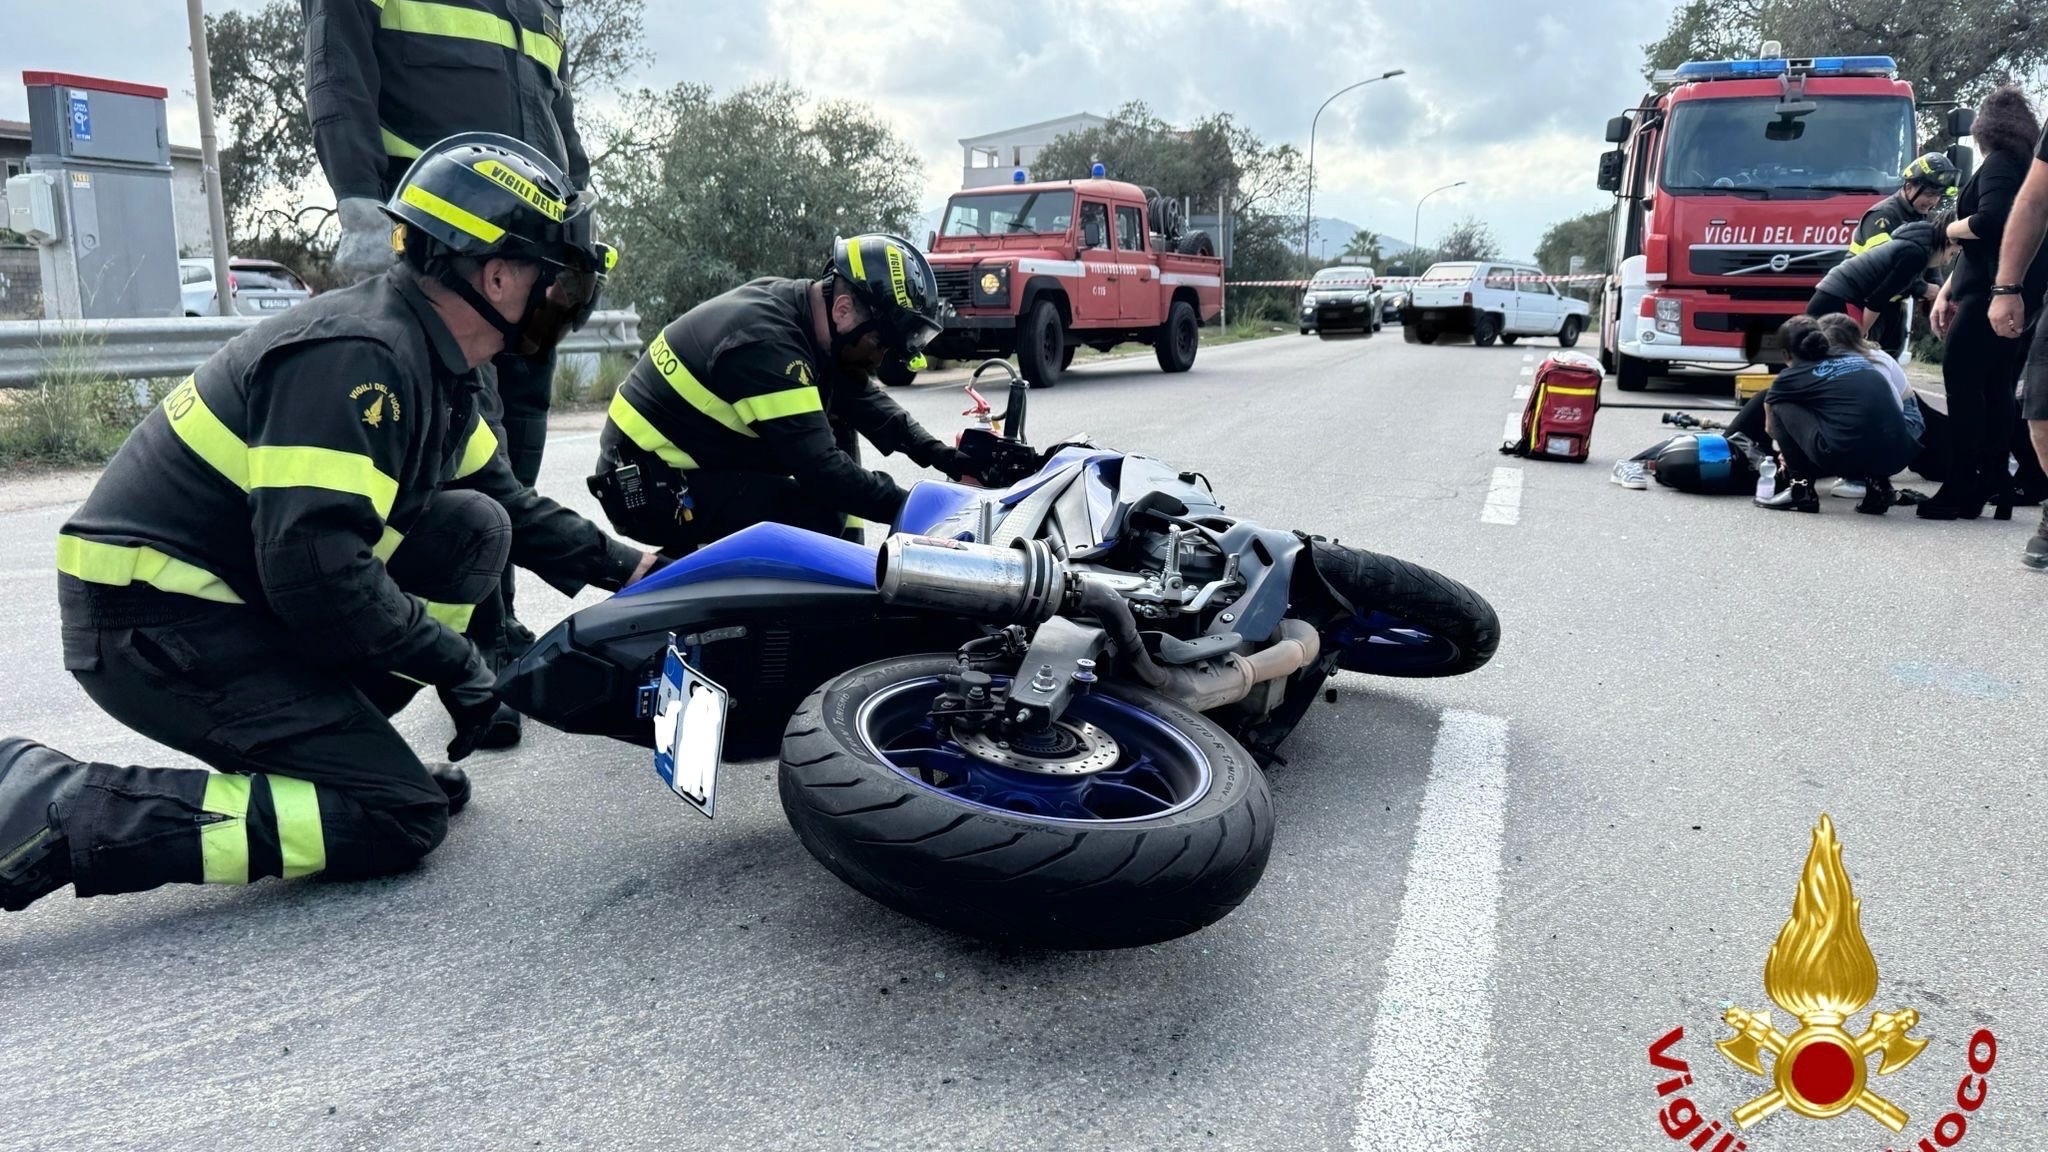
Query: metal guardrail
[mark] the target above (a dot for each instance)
(137, 349)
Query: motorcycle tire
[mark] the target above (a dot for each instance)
(1002, 873)
(1409, 621)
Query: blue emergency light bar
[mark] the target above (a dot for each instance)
(1695, 70)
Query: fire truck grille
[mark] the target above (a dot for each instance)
(1807, 262)
(956, 285)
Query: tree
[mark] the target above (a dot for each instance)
(258, 62)
(1364, 248)
(1468, 239)
(1949, 49)
(703, 194)
(605, 42)
(1579, 236)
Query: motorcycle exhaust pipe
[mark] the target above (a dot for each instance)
(1021, 584)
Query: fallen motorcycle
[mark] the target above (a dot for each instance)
(1037, 713)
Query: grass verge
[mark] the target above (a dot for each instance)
(73, 415)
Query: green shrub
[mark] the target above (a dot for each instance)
(74, 414)
(572, 378)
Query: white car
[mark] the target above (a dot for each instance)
(258, 287)
(1489, 302)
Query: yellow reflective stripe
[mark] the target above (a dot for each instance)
(300, 840)
(1856, 249)
(455, 616)
(693, 392)
(469, 24)
(853, 261)
(776, 405)
(643, 434)
(205, 435)
(276, 467)
(224, 844)
(1550, 389)
(451, 215)
(853, 521)
(387, 545)
(124, 564)
(483, 443)
(395, 145)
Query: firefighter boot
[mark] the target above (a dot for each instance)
(35, 784)
(2036, 555)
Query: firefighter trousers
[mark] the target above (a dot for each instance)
(311, 776)
(524, 388)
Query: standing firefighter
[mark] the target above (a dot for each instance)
(387, 77)
(294, 542)
(1926, 182)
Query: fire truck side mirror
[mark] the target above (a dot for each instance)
(1610, 171)
(1617, 130)
(1961, 121)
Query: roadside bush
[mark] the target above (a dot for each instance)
(577, 386)
(73, 416)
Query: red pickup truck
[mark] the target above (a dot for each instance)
(1041, 269)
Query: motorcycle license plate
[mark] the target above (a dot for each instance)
(689, 731)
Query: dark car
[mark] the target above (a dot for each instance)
(1390, 307)
(1347, 295)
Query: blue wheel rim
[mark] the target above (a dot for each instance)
(1158, 771)
(1378, 642)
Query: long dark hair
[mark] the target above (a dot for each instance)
(1845, 336)
(2006, 123)
(1805, 341)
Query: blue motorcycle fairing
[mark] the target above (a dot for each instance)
(944, 509)
(937, 507)
(768, 552)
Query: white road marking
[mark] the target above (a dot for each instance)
(1528, 371)
(1503, 500)
(572, 439)
(1522, 392)
(1512, 430)
(1426, 1088)
(1528, 357)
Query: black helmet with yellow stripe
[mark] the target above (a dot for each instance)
(894, 282)
(1934, 170)
(482, 195)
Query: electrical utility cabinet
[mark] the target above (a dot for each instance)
(99, 175)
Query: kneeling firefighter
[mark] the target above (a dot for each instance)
(746, 408)
(295, 541)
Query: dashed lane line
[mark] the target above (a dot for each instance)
(1504, 499)
(1425, 1087)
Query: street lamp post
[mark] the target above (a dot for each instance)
(1309, 215)
(1415, 242)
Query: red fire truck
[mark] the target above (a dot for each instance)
(1738, 184)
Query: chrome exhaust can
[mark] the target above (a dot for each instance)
(1021, 584)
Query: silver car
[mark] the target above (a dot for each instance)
(257, 287)
(1348, 294)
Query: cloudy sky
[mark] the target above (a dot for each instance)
(1509, 95)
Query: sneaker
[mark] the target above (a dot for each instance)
(1798, 496)
(1851, 489)
(2036, 555)
(1630, 474)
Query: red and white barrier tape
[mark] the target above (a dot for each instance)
(1581, 278)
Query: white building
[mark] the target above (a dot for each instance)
(996, 157)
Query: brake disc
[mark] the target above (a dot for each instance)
(1075, 750)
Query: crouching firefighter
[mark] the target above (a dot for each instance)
(746, 408)
(295, 542)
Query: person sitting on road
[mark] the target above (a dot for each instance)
(746, 408)
(1846, 337)
(1882, 276)
(1827, 415)
(1927, 181)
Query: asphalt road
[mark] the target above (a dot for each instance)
(1488, 896)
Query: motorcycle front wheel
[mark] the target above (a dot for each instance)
(1156, 824)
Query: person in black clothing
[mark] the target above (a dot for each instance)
(294, 543)
(1980, 368)
(1827, 415)
(383, 80)
(1926, 182)
(1883, 275)
(743, 409)
(2019, 261)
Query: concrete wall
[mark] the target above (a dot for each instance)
(188, 204)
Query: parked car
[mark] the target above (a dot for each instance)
(257, 287)
(1390, 307)
(1489, 302)
(1041, 269)
(1346, 294)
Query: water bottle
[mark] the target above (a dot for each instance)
(1767, 479)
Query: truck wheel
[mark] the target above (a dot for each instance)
(1607, 361)
(1485, 330)
(1196, 244)
(1067, 357)
(1569, 334)
(1508, 340)
(1042, 346)
(1425, 335)
(1631, 375)
(1179, 338)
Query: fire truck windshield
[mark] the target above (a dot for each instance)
(1741, 146)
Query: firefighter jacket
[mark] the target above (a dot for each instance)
(388, 78)
(738, 383)
(287, 469)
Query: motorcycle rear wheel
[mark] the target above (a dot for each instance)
(1409, 621)
(1167, 841)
